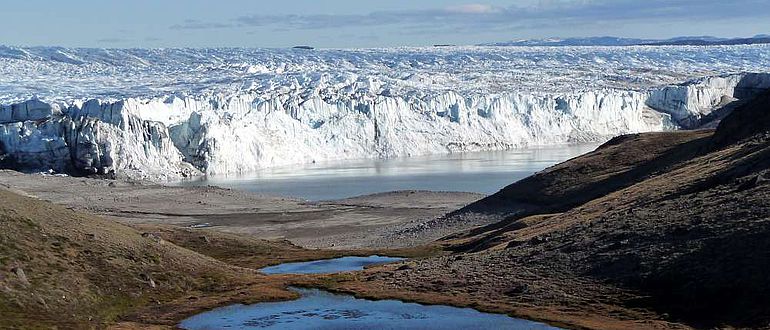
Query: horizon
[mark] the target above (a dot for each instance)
(488, 43)
(348, 24)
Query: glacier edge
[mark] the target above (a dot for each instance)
(178, 136)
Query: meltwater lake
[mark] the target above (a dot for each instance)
(317, 309)
(480, 172)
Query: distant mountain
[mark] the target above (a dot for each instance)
(592, 41)
(702, 42)
(702, 38)
(617, 41)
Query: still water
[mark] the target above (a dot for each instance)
(328, 266)
(318, 309)
(480, 172)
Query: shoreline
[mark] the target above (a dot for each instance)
(362, 222)
(279, 284)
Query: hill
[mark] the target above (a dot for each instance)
(617, 41)
(706, 42)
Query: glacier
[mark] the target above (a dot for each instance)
(163, 114)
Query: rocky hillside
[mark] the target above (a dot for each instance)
(66, 269)
(649, 231)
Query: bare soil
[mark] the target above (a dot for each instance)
(364, 222)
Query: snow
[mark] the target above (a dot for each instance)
(165, 113)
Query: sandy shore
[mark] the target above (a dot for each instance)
(373, 221)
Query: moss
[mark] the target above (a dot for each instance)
(113, 307)
(154, 258)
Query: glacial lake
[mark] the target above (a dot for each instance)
(480, 172)
(318, 309)
(328, 266)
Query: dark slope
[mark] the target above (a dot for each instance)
(679, 236)
(579, 180)
(619, 163)
(747, 121)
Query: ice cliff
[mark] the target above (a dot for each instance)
(286, 108)
(687, 103)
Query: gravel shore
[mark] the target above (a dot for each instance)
(374, 221)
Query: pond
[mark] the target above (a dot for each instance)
(317, 309)
(328, 266)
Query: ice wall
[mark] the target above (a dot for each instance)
(176, 136)
(687, 103)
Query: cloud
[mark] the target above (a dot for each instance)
(192, 24)
(479, 17)
(474, 8)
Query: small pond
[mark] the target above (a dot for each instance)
(328, 266)
(318, 309)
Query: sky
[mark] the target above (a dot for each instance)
(364, 23)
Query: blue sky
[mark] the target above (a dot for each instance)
(363, 23)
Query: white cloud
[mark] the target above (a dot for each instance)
(473, 8)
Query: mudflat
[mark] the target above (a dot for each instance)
(371, 221)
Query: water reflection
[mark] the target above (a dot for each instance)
(322, 310)
(328, 266)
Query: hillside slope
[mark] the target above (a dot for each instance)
(649, 231)
(66, 269)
